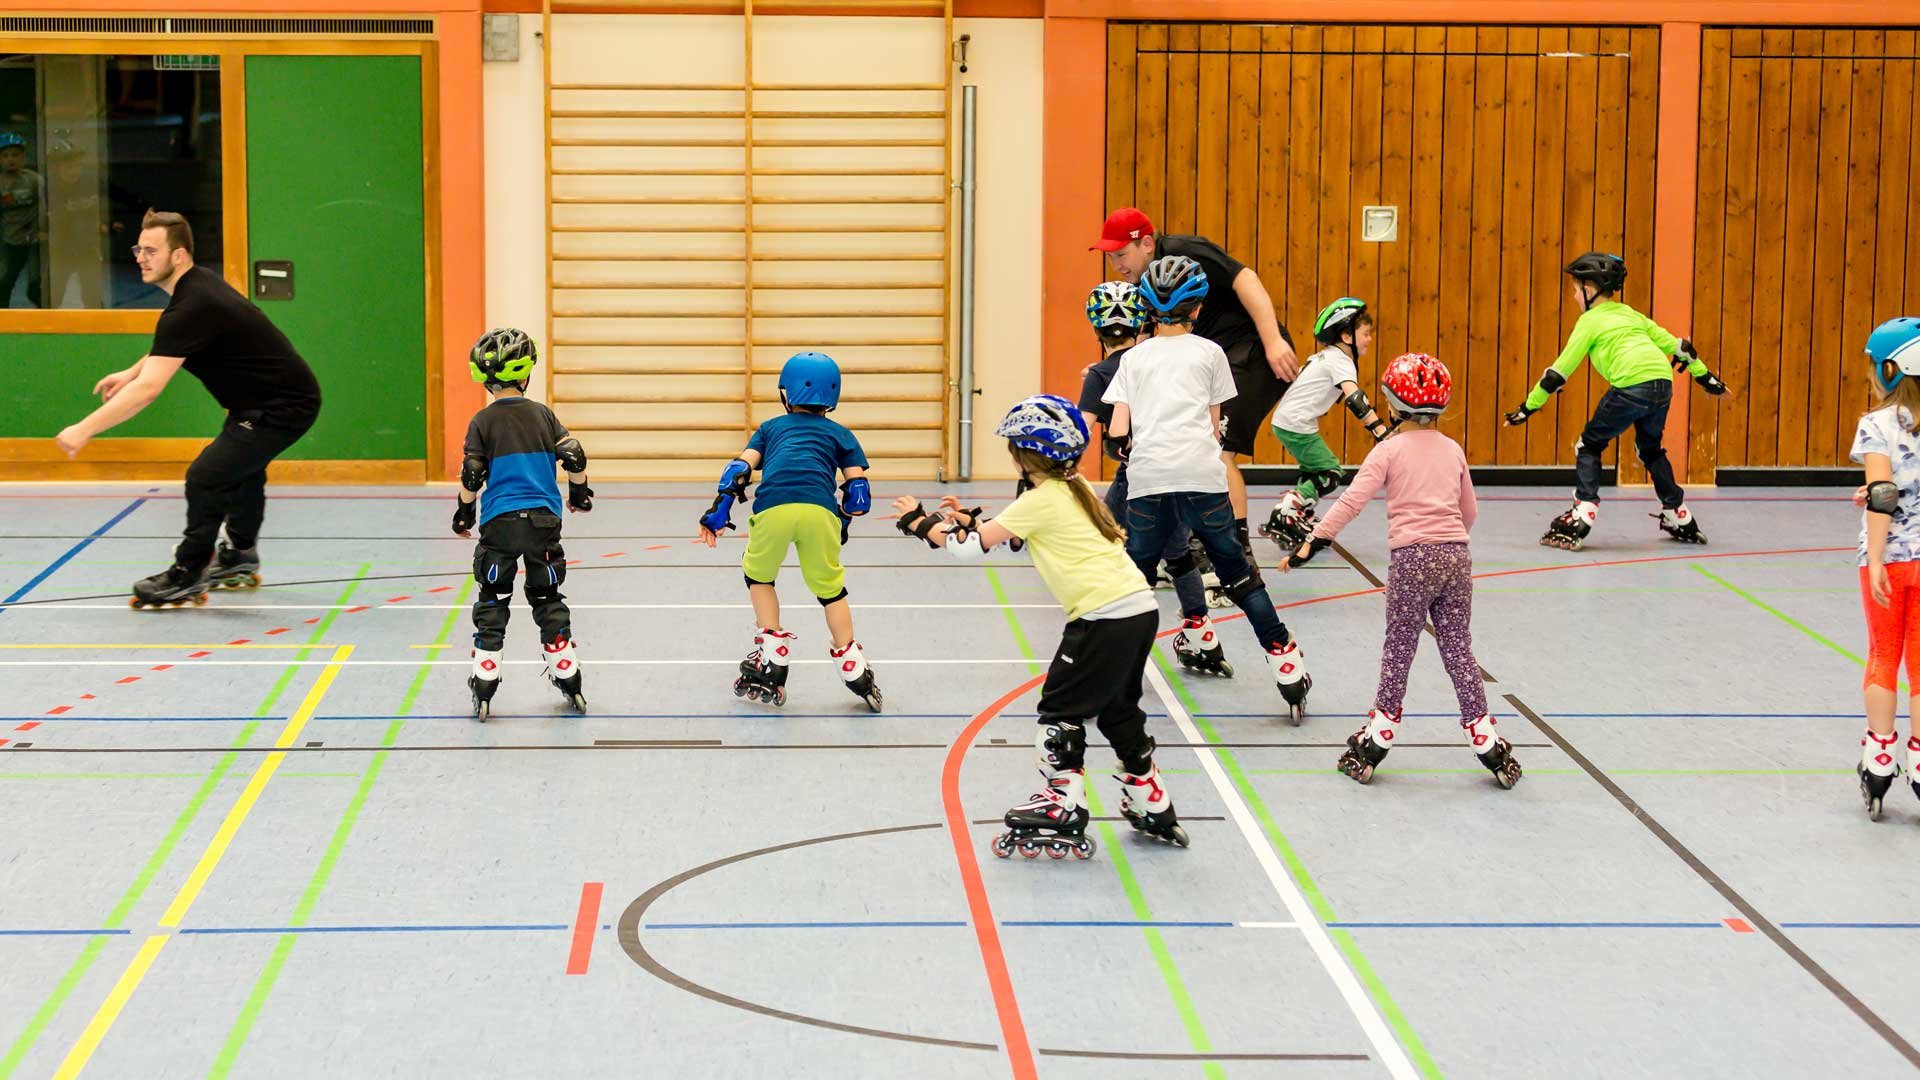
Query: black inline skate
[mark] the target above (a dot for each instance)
(1289, 667)
(1569, 531)
(1145, 804)
(857, 673)
(176, 586)
(563, 671)
(1197, 647)
(234, 568)
(763, 674)
(1053, 820)
(1679, 525)
(1495, 752)
(484, 681)
(1874, 785)
(1291, 523)
(1368, 747)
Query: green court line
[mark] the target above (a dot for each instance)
(310, 898)
(1129, 884)
(43, 1016)
(1776, 613)
(1376, 990)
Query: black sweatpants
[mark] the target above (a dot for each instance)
(531, 536)
(1096, 674)
(227, 483)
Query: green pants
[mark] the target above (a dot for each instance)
(812, 531)
(1316, 460)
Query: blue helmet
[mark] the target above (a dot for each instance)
(812, 379)
(1896, 342)
(1172, 286)
(1047, 424)
(11, 138)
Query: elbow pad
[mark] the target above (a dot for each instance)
(1361, 408)
(856, 496)
(1551, 381)
(733, 479)
(1883, 497)
(573, 457)
(964, 545)
(473, 473)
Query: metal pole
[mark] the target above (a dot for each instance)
(969, 113)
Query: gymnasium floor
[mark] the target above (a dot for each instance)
(264, 838)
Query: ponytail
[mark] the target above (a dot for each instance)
(1068, 472)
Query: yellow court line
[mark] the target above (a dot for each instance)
(103, 1019)
(235, 817)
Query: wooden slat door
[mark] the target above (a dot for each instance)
(1508, 149)
(1802, 238)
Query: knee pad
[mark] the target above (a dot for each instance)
(1245, 587)
(829, 601)
(1583, 445)
(751, 581)
(1325, 481)
(1062, 744)
(494, 570)
(1182, 564)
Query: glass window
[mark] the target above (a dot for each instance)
(87, 145)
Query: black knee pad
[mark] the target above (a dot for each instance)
(1245, 587)
(1062, 743)
(751, 582)
(1325, 481)
(1588, 446)
(827, 601)
(494, 570)
(1182, 564)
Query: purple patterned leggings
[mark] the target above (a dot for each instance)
(1431, 580)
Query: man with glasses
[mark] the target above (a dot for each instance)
(1237, 316)
(251, 369)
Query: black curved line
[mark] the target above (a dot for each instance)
(629, 937)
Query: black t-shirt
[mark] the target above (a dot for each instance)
(1223, 318)
(231, 346)
(1094, 386)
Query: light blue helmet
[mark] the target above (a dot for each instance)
(1896, 342)
(1047, 424)
(11, 138)
(1115, 304)
(811, 379)
(1171, 287)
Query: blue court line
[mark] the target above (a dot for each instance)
(76, 549)
(418, 929)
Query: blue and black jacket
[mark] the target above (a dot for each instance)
(516, 437)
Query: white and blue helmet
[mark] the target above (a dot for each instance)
(1115, 304)
(1896, 342)
(1047, 424)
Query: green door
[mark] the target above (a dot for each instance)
(334, 186)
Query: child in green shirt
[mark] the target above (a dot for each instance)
(1638, 357)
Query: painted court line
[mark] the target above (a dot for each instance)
(583, 923)
(1384, 1044)
(109, 1010)
(67, 557)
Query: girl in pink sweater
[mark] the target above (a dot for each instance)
(1430, 509)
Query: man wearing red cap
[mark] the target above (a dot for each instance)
(1237, 316)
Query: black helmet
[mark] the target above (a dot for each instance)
(1608, 273)
(1172, 287)
(502, 356)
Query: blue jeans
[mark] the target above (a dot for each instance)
(1154, 520)
(1642, 407)
(1187, 586)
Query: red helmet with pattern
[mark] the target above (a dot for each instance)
(1417, 385)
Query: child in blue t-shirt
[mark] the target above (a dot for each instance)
(799, 456)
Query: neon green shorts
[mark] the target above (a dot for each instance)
(812, 531)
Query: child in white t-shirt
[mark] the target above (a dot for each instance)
(1166, 417)
(1345, 332)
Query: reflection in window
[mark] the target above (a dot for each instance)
(87, 145)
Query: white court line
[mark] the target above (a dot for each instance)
(590, 660)
(1362, 1007)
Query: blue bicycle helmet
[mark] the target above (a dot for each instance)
(1896, 342)
(11, 138)
(810, 379)
(1171, 287)
(1047, 424)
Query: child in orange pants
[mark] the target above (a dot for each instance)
(1887, 443)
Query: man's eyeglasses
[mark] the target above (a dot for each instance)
(148, 252)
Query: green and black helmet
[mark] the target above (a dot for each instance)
(1607, 272)
(502, 356)
(1337, 318)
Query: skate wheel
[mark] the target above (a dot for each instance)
(873, 701)
(482, 710)
(1002, 847)
(1030, 850)
(1508, 775)
(1056, 852)
(1873, 809)
(1226, 669)
(1084, 849)
(740, 689)
(1177, 836)
(134, 602)
(780, 696)
(577, 702)
(1296, 714)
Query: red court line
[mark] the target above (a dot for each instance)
(354, 609)
(278, 630)
(28, 726)
(1738, 926)
(584, 922)
(613, 554)
(86, 697)
(239, 641)
(1012, 1029)
(159, 667)
(58, 709)
(311, 621)
(3, 742)
(198, 655)
(442, 588)
(397, 599)
(125, 681)
(659, 547)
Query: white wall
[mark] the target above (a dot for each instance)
(516, 193)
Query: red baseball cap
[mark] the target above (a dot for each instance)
(1123, 227)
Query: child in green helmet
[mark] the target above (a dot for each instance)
(511, 448)
(1637, 357)
(1345, 333)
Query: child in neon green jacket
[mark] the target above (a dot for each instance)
(1637, 357)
